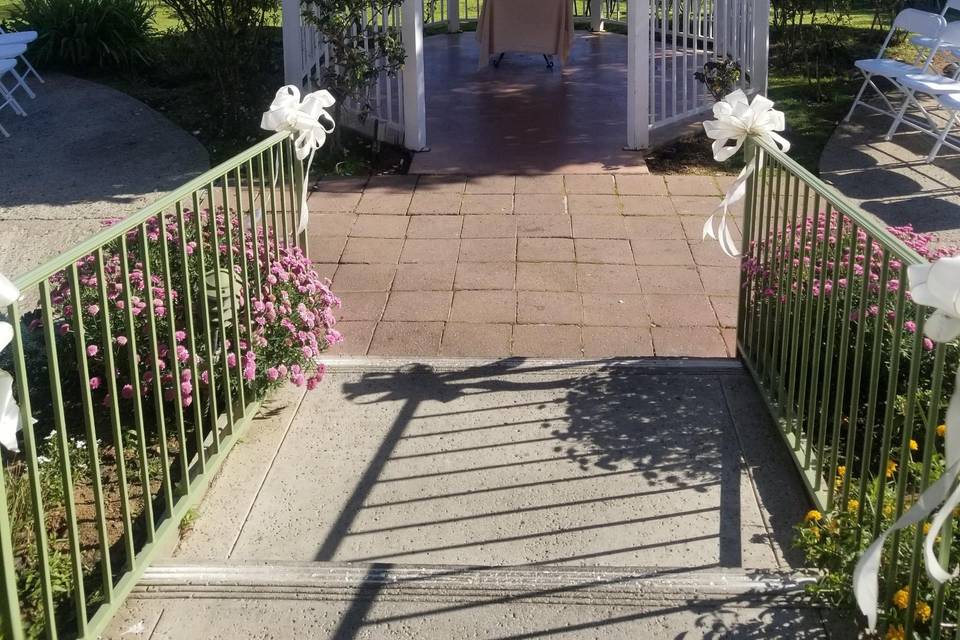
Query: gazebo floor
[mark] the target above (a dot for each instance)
(524, 118)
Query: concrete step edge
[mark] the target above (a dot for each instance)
(527, 366)
(640, 586)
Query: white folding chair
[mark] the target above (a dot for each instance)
(921, 23)
(945, 90)
(6, 96)
(925, 43)
(13, 52)
(26, 37)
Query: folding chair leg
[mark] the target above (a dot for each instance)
(21, 82)
(896, 121)
(942, 137)
(8, 97)
(30, 70)
(856, 100)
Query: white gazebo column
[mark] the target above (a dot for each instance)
(414, 95)
(761, 45)
(596, 15)
(453, 16)
(292, 42)
(638, 74)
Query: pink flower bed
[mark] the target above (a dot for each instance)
(274, 333)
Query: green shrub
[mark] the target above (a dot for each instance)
(87, 33)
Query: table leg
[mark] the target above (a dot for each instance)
(496, 63)
(549, 60)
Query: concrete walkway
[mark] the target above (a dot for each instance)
(59, 170)
(892, 180)
(538, 266)
(517, 499)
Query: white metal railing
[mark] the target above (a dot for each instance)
(308, 56)
(684, 34)
(668, 41)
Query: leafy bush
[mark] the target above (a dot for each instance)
(230, 42)
(85, 33)
(720, 76)
(361, 48)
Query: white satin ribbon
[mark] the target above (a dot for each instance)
(935, 285)
(9, 411)
(736, 118)
(302, 120)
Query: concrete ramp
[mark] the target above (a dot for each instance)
(508, 499)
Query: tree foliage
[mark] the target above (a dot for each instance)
(363, 41)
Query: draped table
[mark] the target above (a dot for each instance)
(525, 26)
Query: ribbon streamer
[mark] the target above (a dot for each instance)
(302, 120)
(934, 285)
(9, 411)
(736, 118)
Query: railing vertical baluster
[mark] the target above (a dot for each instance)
(282, 182)
(876, 352)
(787, 357)
(235, 311)
(63, 445)
(814, 340)
(191, 338)
(221, 320)
(793, 415)
(208, 331)
(11, 626)
(137, 395)
(31, 454)
(156, 372)
(93, 447)
(173, 353)
(932, 420)
(841, 383)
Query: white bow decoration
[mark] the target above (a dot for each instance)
(736, 118)
(935, 285)
(303, 121)
(9, 411)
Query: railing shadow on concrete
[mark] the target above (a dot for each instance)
(671, 437)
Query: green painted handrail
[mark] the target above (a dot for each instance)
(169, 449)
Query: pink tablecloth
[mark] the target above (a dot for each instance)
(525, 26)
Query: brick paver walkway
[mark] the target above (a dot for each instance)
(538, 266)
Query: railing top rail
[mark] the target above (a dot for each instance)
(71, 255)
(877, 230)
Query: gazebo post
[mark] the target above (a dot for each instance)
(453, 16)
(638, 74)
(414, 95)
(596, 15)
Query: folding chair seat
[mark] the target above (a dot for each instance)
(6, 97)
(26, 37)
(921, 23)
(12, 52)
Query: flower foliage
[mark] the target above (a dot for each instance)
(259, 337)
(836, 290)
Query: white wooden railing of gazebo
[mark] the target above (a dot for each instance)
(663, 54)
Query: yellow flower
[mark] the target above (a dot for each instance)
(853, 505)
(895, 632)
(926, 528)
(922, 612)
(901, 599)
(888, 510)
(941, 430)
(913, 445)
(891, 468)
(841, 470)
(812, 516)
